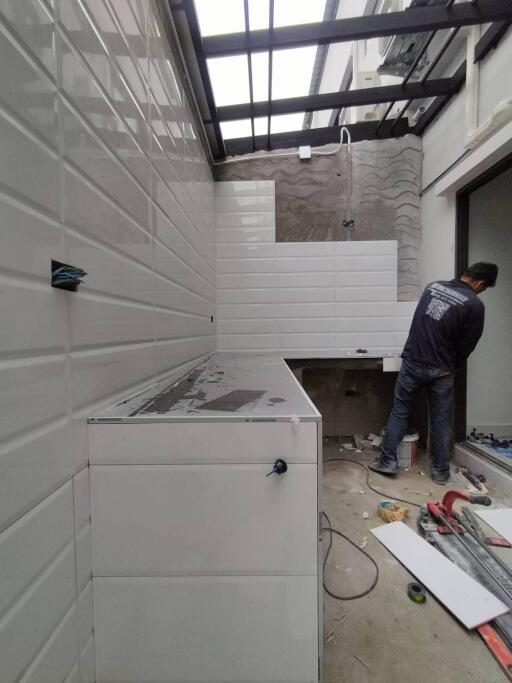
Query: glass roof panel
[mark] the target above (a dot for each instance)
(292, 71)
(258, 14)
(220, 16)
(236, 129)
(290, 12)
(260, 125)
(229, 77)
(286, 122)
(260, 76)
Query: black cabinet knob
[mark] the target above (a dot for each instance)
(280, 467)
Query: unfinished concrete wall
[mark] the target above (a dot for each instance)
(311, 198)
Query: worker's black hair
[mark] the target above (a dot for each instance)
(487, 272)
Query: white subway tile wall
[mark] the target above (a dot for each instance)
(100, 168)
(303, 299)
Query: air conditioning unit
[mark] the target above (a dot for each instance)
(400, 52)
(369, 112)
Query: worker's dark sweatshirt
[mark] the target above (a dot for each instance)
(446, 327)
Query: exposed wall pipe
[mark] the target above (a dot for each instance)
(271, 155)
(472, 81)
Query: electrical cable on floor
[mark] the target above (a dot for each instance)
(332, 531)
(372, 488)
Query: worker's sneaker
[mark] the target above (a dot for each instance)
(383, 467)
(440, 478)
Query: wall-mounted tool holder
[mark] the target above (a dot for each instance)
(66, 277)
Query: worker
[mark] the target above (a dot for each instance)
(445, 329)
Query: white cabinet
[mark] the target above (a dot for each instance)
(206, 629)
(205, 568)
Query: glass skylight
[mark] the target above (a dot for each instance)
(236, 129)
(258, 14)
(227, 16)
(286, 122)
(290, 12)
(292, 71)
(278, 124)
(260, 125)
(220, 16)
(260, 76)
(229, 77)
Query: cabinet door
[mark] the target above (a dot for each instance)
(163, 520)
(238, 629)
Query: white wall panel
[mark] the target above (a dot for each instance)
(84, 165)
(74, 674)
(32, 465)
(301, 298)
(29, 168)
(35, 615)
(27, 546)
(87, 662)
(22, 76)
(57, 655)
(83, 557)
(85, 615)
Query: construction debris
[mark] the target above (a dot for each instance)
(342, 618)
(362, 662)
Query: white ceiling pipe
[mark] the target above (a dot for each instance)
(472, 81)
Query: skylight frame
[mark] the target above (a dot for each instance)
(327, 32)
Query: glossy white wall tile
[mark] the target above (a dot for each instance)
(301, 298)
(58, 655)
(99, 168)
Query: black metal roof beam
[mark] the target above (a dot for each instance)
(331, 8)
(487, 42)
(418, 58)
(384, 117)
(270, 67)
(249, 70)
(449, 40)
(350, 98)
(412, 20)
(197, 41)
(400, 114)
(316, 137)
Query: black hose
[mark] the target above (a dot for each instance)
(372, 488)
(332, 531)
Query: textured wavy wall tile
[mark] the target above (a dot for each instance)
(311, 198)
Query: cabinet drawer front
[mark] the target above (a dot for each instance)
(206, 630)
(202, 442)
(202, 519)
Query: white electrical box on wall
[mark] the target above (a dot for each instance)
(304, 152)
(206, 563)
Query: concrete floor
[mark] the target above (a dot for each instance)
(386, 637)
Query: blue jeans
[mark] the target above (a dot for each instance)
(439, 386)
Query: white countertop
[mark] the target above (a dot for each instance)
(226, 386)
